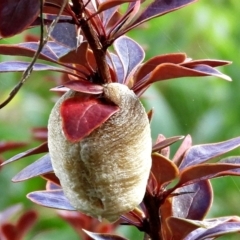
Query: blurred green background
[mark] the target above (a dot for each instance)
(207, 108)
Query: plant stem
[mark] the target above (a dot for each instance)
(153, 224)
(96, 46)
(98, 51)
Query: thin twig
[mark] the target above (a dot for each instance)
(42, 42)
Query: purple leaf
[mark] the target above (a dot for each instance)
(16, 66)
(103, 236)
(131, 55)
(39, 167)
(53, 186)
(158, 8)
(232, 160)
(27, 49)
(40, 149)
(10, 212)
(65, 33)
(118, 67)
(107, 15)
(51, 199)
(58, 49)
(17, 15)
(190, 204)
(84, 87)
(207, 171)
(205, 69)
(212, 233)
(77, 56)
(201, 153)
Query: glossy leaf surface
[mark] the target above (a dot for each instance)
(190, 204)
(152, 63)
(212, 233)
(27, 49)
(51, 199)
(39, 167)
(65, 33)
(15, 66)
(130, 53)
(81, 115)
(207, 171)
(201, 153)
(180, 227)
(163, 169)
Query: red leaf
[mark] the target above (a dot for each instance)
(150, 115)
(77, 56)
(26, 221)
(190, 204)
(5, 146)
(152, 184)
(168, 70)
(180, 227)
(9, 231)
(40, 133)
(51, 177)
(81, 115)
(149, 65)
(209, 62)
(163, 169)
(17, 15)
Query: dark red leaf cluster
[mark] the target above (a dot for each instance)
(18, 230)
